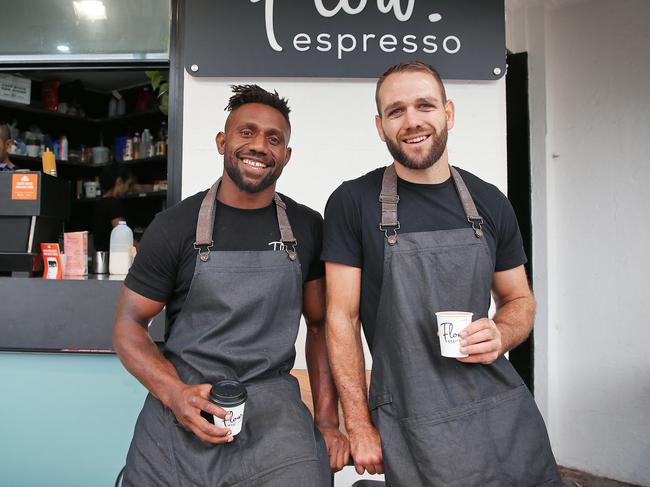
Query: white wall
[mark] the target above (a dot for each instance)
(525, 31)
(597, 167)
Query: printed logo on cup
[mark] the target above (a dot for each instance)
(450, 325)
(230, 395)
(449, 334)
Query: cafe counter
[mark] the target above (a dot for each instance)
(62, 315)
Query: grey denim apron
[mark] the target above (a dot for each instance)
(240, 320)
(442, 422)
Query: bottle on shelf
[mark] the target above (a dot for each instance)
(49, 162)
(145, 144)
(161, 143)
(119, 260)
(136, 146)
(128, 150)
(162, 132)
(120, 108)
(63, 149)
(112, 107)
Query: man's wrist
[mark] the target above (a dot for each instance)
(327, 423)
(359, 426)
(166, 392)
(502, 329)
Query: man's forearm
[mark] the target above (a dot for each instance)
(514, 319)
(320, 377)
(142, 358)
(348, 367)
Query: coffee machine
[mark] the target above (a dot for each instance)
(33, 208)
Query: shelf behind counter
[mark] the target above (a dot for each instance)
(66, 315)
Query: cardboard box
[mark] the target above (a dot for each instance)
(75, 246)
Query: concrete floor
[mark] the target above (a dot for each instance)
(576, 478)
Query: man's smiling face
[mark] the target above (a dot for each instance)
(414, 119)
(254, 146)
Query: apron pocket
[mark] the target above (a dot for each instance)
(521, 441)
(456, 448)
(382, 416)
(379, 400)
(278, 428)
(150, 460)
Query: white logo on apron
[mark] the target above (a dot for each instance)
(277, 246)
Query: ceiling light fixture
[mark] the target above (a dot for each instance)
(90, 9)
(63, 48)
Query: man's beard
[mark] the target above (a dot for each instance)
(434, 155)
(235, 174)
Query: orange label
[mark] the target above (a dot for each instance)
(24, 186)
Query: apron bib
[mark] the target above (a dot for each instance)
(239, 321)
(442, 422)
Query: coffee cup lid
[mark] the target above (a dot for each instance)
(228, 392)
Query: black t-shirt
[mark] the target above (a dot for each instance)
(166, 258)
(353, 213)
(106, 209)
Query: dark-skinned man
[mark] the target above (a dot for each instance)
(400, 244)
(236, 267)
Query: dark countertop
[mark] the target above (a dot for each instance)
(74, 314)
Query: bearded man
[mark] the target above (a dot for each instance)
(236, 266)
(400, 244)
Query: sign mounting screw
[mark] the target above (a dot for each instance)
(194, 68)
(496, 71)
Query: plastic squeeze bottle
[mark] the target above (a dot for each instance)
(121, 242)
(49, 162)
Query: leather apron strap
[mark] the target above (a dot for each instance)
(205, 225)
(468, 203)
(389, 199)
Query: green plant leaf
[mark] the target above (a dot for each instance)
(155, 77)
(164, 88)
(164, 103)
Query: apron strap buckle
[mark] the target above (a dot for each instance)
(391, 199)
(476, 222)
(204, 250)
(290, 248)
(392, 238)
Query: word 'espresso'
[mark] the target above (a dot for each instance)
(345, 43)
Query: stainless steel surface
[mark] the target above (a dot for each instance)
(100, 262)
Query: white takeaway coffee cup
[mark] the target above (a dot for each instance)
(450, 324)
(229, 394)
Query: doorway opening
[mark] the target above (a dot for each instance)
(519, 186)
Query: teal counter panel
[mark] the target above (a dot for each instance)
(65, 419)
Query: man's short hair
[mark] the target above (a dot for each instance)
(410, 66)
(5, 132)
(255, 94)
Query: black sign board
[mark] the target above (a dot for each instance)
(463, 39)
